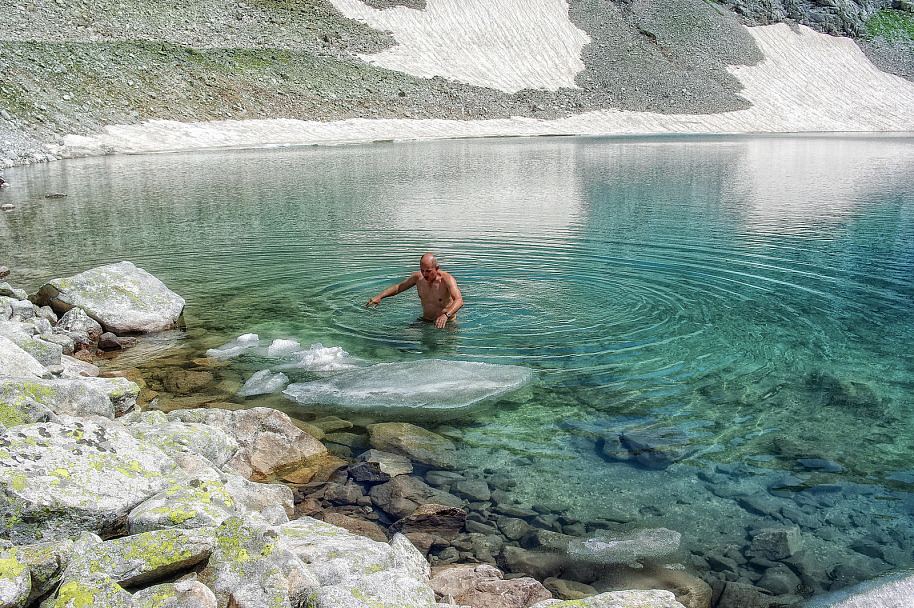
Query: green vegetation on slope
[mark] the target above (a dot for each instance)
(893, 25)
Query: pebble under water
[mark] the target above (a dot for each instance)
(709, 336)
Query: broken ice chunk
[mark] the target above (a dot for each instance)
(235, 347)
(281, 348)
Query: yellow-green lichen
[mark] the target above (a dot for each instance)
(10, 567)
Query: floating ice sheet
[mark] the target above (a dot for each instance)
(431, 384)
(262, 383)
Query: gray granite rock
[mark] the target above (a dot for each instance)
(60, 478)
(123, 298)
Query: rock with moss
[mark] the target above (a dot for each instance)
(268, 440)
(255, 497)
(16, 363)
(106, 397)
(94, 591)
(249, 568)
(414, 442)
(60, 478)
(201, 501)
(142, 559)
(355, 571)
(618, 599)
(15, 581)
(45, 563)
(123, 298)
(173, 436)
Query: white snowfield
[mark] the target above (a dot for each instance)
(808, 82)
(500, 44)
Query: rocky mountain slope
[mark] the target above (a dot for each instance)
(74, 66)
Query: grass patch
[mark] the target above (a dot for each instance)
(893, 25)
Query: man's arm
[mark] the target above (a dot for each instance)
(455, 305)
(394, 290)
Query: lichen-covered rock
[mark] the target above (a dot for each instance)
(618, 599)
(16, 363)
(210, 442)
(142, 558)
(123, 298)
(355, 571)
(45, 562)
(96, 590)
(198, 502)
(185, 593)
(249, 568)
(72, 396)
(269, 441)
(60, 478)
(414, 442)
(15, 582)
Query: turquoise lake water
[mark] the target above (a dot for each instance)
(751, 298)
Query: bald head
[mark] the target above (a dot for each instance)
(429, 259)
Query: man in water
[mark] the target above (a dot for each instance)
(437, 289)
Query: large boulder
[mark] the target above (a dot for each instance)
(124, 299)
(414, 442)
(269, 442)
(355, 571)
(60, 478)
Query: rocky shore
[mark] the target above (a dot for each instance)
(109, 501)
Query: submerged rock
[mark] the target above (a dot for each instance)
(627, 547)
(414, 442)
(121, 297)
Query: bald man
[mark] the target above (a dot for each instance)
(437, 289)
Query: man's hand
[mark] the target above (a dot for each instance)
(373, 302)
(441, 321)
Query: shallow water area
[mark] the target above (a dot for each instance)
(718, 328)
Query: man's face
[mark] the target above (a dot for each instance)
(429, 271)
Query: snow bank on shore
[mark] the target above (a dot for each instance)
(808, 82)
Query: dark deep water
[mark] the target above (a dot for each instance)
(747, 303)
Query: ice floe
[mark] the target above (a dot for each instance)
(281, 347)
(429, 384)
(263, 383)
(320, 358)
(236, 347)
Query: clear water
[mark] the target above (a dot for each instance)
(755, 294)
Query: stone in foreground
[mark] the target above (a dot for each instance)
(60, 478)
(123, 298)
